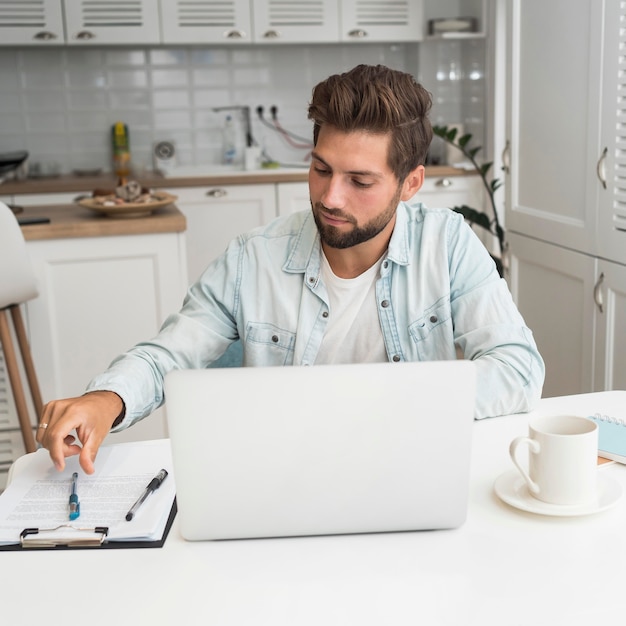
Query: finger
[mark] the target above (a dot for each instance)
(87, 458)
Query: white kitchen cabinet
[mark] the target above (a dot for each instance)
(555, 95)
(98, 296)
(293, 197)
(449, 191)
(216, 215)
(610, 313)
(37, 22)
(580, 332)
(96, 22)
(380, 20)
(206, 21)
(294, 21)
(565, 186)
(554, 291)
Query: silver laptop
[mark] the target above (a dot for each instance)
(328, 449)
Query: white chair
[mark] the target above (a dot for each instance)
(17, 285)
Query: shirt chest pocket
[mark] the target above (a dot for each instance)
(433, 333)
(266, 344)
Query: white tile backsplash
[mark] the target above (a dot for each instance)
(59, 102)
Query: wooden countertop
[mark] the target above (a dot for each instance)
(71, 183)
(71, 220)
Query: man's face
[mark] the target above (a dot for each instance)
(354, 194)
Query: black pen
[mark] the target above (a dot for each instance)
(153, 485)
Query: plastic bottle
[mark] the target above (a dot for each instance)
(121, 149)
(229, 141)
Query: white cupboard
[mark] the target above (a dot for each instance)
(96, 22)
(216, 215)
(206, 21)
(367, 20)
(31, 23)
(565, 208)
(280, 21)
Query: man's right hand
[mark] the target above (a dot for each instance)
(91, 415)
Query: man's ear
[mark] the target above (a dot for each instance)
(413, 182)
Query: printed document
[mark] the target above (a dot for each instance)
(38, 495)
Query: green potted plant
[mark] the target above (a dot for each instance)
(473, 216)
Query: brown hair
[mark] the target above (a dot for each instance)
(378, 99)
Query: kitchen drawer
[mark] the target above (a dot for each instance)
(452, 191)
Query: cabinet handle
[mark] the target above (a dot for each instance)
(271, 34)
(597, 293)
(234, 34)
(44, 35)
(357, 33)
(216, 193)
(601, 169)
(444, 182)
(84, 35)
(506, 157)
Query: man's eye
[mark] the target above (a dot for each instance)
(361, 184)
(321, 171)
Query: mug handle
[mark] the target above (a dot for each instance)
(534, 448)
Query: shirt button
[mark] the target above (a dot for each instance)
(386, 264)
(312, 280)
(275, 338)
(433, 318)
(325, 314)
(396, 358)
(384, 304)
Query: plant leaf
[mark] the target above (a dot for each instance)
(463, 141)
(473, 216)
(485, 167)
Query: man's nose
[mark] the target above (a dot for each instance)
(334, 193)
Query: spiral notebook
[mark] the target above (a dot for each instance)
(611, 437)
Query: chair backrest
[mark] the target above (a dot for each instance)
(17, 279)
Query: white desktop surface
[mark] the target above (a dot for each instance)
(502, 567)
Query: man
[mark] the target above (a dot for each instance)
(364, 277)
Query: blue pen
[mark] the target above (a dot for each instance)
(74, 503)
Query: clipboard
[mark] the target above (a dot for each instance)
(71, 537)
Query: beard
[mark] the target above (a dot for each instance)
(336, 238)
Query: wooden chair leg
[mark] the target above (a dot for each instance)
(16, 383)
(27, 359)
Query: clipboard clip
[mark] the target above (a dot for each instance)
(64, 535)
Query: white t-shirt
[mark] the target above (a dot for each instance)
(353, 334)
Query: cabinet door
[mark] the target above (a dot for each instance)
(611, 239)
(553, 289)
(450, 191)
(97, 298)
(379, 20)
(610, 298)
(31, 23)
(95, 22)
(293, 197)
(280, 21)
(217, 215)
(206, 21)
(554, 96)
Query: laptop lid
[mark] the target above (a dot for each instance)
(328, 449)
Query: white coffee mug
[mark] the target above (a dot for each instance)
(562, 459)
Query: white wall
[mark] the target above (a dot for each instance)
(59, 103)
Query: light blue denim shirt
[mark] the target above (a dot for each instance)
(437, 288)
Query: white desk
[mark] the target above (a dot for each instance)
(503, 567)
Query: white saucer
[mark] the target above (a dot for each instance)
(511, 488)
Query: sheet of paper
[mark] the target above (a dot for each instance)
(38, 495)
